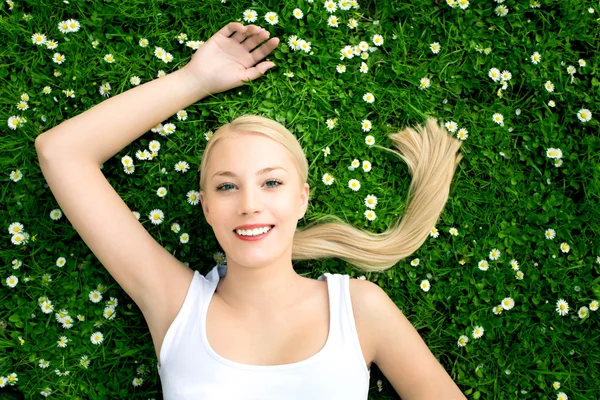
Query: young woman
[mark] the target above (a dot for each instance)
(253, 328)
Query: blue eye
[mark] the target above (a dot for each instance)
(220, 187)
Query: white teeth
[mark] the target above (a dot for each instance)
(253, 232)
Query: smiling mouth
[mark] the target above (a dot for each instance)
(272, 226)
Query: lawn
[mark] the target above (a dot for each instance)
(505, 289)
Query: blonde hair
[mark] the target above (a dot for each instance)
(431, 155)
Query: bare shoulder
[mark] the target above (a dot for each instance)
(396, 346)
(367, 298)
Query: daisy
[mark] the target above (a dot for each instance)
(594, 305)
(97, 338)
(354, 184)
(478, 332)
(501, 11)
(582, 62)
(271, 18)
(571, 70)
(499, 119)
(514, 264)
(73, 25)
(556, 385)
(193, 197)
(562, 307)
(109, 58)
(161, 191)
(551, 103)
(415, 262)
(498, 309)
(561, 396)
(508, 303)
(434, 232)
(366, 165)
(327, 179)
(12, 281)
(494, 254)
(377, 40)
(584, 115)
(364, 68)
(583, 312)
(435, 47)
(38, 39)
(453, 231)
(549, 86)
(370, 140)
(366, 125)
(536, 58)
(462, 341)
(135, 80)
(564, 247)
(505, 76)
(519, 275)
(330, 6)
(425, 83)
(137, 381)
(62, 341)
(251, 15)
(371, 201)
(58, 58)
(425, 285)
(63, 27)
(369, 98)
(333, 21)
(463, 4)
(43, 363)
(451, 126)
(95, 296)
(494, 73)
(483, 265)
(143, 42)
(156, 216)
(298, 13)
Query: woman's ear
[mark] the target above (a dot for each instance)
(204, 207)
(304, 198)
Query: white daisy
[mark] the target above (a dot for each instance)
(462, 341)
(478, 332)
(508, 303)
(562, 307)
(584, 115)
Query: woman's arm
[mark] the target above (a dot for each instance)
(102, 131)
(223, 62)
(400, 352)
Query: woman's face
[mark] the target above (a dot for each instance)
(237, 193)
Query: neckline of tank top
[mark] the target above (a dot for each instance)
(212, 278)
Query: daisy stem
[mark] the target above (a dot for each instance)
(102, 131)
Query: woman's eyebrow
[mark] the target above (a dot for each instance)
(262, 171)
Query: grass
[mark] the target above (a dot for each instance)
(506, 193)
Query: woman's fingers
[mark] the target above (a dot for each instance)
(239, 31)
(252, 41)
(264, 50)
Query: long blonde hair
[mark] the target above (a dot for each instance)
(431, 155)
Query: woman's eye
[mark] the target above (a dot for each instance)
(221, 187)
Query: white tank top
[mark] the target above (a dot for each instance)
(190, 369)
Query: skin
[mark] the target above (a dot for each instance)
(260, 277)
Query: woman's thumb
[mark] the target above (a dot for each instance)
(259, 70)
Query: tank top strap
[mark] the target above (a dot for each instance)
(340, 308)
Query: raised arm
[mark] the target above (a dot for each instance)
(71, 153)
(224, 62)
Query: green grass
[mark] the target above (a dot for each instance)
(503, 202)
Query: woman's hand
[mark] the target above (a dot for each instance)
(224, 61)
